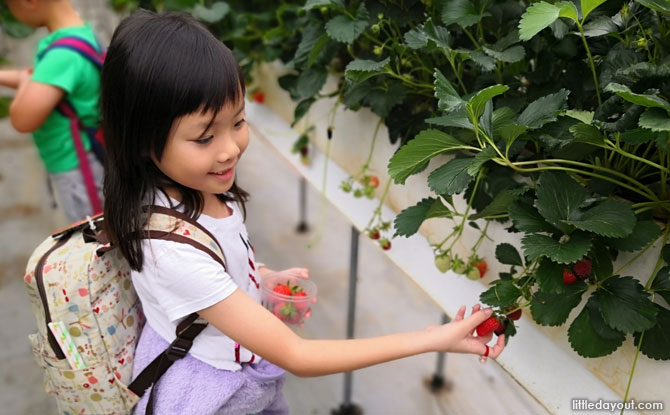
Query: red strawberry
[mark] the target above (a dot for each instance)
(515, 315)
(301, 305)
(286, 312)
(501, 329)
(489, 325)
(259, 97)
(304, 151)
(385, 244)
(482, 267)
(282, 289)
(583, 268)
(374, 234)
(568, 277)
(374, 181)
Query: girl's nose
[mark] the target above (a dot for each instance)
(229, 150)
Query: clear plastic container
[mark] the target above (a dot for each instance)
(291, 308)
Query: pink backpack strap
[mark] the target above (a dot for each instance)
(84, 165)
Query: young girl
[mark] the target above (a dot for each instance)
(173, 111)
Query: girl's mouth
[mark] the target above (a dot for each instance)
(224, 174)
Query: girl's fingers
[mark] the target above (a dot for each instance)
(487, 338)
(498, 348)
(460, 314)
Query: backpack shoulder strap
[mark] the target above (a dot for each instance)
(169, 224)
(79, 45)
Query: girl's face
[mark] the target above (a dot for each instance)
(201, 153)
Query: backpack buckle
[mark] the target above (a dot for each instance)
(178, 349)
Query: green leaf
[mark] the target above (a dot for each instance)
(311, 81)
(320, 43)
(567, 9)
(661, 284)
(587, 133)
(508, 255)
(301, 109)
(500, 203)
(553, 309)
(601, 261)
(501, 294)
(382, 101)
(511, 132)
(625, 305)
(584, 116)
(600, 26)
(643, 233)
(310, 36)
(511, 55)
(408, 221)
(645, 100)
(213, 14)
(476, 104)
(549, 277)
(310, 4)
(452, 177)
(526, 218)
(415, 38)
(655, 119)
(536, 246)
(346, 30)
(457, 118)
(588, 334)
(611, 218)
(558, 198)
(661, 6)
(448, 98)
(366, 65)
(588, 6)
(544, 110)
(462, 12)
(426, 145)
(438, 34)
(537, 17)
(656, 341)
(482, 157)
(485, 62)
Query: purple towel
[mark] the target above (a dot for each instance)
(191, 386)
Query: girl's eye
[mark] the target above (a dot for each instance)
(239, 123)
(204, 140)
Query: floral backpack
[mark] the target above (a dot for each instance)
(89, 317)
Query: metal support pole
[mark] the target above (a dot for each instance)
(347, 407)
(438, 381)
(302, 221)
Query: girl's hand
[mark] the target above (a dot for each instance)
(458, 336)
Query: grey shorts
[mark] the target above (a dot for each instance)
(70, 190)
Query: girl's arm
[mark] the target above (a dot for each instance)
(10, 77)
(33, 103)
(249, 324)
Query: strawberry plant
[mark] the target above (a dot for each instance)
(556, 118)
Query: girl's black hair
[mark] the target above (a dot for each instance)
(159, 67)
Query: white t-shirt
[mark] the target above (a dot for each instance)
(178, 279)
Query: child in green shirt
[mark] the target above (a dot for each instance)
(61, 73)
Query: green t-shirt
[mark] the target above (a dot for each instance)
(80, 79)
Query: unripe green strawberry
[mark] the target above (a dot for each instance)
(358, 193)
(346, 187)
(458, 266)
(473, 274)
(443, 262)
